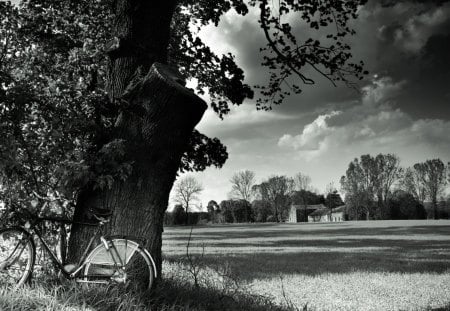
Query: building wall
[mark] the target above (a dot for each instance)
(339, 216)
(295, 209)
(335, 217)
(292, 214)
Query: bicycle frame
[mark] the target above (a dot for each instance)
(117, 263)
(54, 257)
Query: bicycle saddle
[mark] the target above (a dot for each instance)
(100, 212)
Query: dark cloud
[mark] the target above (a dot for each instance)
(391, 3)
(428, 93)
(396, 39)
(408, 41)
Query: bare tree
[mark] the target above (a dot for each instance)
(412, 183)
(242, 185)
(330, 188)
(186, 192)
(302, 182)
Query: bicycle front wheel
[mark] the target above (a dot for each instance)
(17, 253)
(124, 263)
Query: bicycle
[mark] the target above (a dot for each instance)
(119, 260)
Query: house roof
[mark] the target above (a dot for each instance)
(339, 209)
(320, 212)
(313, 206)
(326, 211)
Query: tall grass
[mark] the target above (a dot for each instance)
(177, 292)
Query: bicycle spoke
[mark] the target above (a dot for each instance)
(16, 257)
(135, 274)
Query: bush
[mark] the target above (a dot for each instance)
(403, 205)
(236, 211)
(261, 210)
(271, 218)
(179, 215)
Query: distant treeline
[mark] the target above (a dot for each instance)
(401, 206)
(373, 188)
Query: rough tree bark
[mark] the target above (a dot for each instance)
(162, 116)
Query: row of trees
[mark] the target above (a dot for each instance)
(251, 202)
(372, 184)
(374, 188)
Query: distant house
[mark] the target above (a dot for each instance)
(323, 215)
(297, 212)
(338, 213)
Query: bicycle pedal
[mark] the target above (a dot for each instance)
(69, 268)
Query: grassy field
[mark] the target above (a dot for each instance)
(378, 265)
(386, 265)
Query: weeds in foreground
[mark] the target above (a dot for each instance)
(189, 286)
(169, 295)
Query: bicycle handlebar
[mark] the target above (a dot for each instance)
(35, 219)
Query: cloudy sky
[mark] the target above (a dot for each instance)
(403, 107)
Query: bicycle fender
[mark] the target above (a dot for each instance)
(139, 241)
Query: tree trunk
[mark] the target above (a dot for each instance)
(157, 127)
(435, 209)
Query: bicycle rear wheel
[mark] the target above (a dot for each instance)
(125, 263)
(17, 254)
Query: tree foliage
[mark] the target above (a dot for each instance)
(404, 205)
(412, 183)
(276, 190)
(58, 121)
(236, 211)
(368, 183)
(262, 210)
(52, 108)
(433, 179)
(179, 215)
(289, 54)
(333, 200)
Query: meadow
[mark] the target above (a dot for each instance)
(376, 265)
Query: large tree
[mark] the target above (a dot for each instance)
(93, 111)
(359, 185)
(276, 190)
(369, 181)
(433, 179)
(389, 172)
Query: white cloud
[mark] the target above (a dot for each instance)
(239, 120)
(311, 137)
(372, 126)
